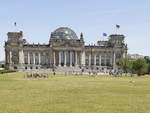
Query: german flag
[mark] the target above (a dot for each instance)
(117, 26)
(15, 24)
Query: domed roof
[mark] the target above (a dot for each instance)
(64, 33)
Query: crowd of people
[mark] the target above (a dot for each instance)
(90, 73)
(36, 75)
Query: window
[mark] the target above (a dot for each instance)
(102, 62)
(36, 54)
(108, 62)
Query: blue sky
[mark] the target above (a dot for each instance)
(38, 18)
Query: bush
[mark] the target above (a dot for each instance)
(126, 64)
(148, 68)
(3, 66)
(139, 66)
(6, 71)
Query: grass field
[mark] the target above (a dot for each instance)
(74, 94)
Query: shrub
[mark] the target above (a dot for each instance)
(148, 68)
(126, 64)
(6, 71)
(139, 66)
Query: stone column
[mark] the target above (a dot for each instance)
(21, 57)
(124, 54)
(39, 56)
(76, 58)
(105, 60)
(54, 58)
(83, 59)
(100, 60)
(6, 57)
(110, 61)
(65, 59)
(94, 59)
(59, 58)
(70, 59)
(28, 58)
(114, 61)
(33, 58)
(89, 59)
(10, 57)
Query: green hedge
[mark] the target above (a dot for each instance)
(6, 71)
(2, 65)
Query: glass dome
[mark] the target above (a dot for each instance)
(64, 33)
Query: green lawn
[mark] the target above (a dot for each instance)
(74, 94)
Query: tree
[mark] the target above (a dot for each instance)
(147, 60)
(126, 65)
(3, 65)
(148, 68)
(148, 65)
(139, 66)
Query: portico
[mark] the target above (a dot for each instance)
(67, 58)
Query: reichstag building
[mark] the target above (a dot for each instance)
(64, 51)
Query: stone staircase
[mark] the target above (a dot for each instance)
(67, 69)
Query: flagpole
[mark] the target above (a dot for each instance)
(116, 31)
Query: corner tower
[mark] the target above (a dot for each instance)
(14, 50)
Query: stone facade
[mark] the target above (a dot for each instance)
(64, 50)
